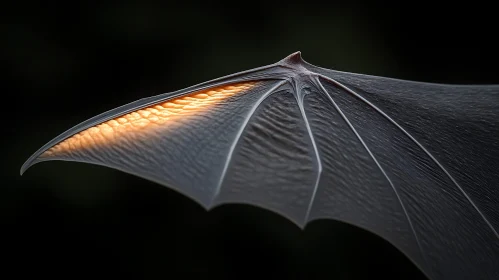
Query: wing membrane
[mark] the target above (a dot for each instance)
(442, 216)
(352, 188)
(275, 149)
(457, 124)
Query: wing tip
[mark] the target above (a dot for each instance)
(24, 167)
(35, 158)
(27, 164)
(30, 162)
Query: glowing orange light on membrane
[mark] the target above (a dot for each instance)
(146, 118)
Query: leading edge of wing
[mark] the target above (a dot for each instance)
(329, 72)
(268, 72)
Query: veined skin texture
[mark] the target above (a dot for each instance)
(164, 113)
(415, 163)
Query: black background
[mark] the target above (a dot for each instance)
(68, 61)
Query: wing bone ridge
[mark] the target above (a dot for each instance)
(299, 99)
(376, 161)
(238, 137)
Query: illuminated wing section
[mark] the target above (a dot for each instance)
(144, 121)
(181, 142)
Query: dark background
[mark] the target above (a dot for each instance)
(66, 62)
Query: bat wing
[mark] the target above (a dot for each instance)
(414, 163)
